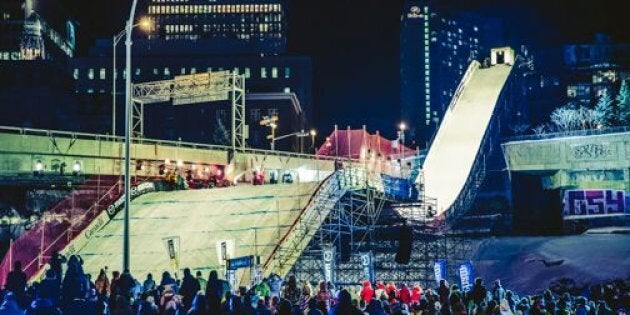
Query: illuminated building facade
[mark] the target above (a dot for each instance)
(35, 30)
(230, 25)
(595, 68)
(435, 51)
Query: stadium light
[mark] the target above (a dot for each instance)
(76, 168)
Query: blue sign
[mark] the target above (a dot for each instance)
(399, 187)
(439, 269)
(240, 262)
(466, 276)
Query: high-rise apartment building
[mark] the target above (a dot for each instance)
(221, 25)
(436, 48)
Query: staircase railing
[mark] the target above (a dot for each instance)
(35, 247)
(290, 247)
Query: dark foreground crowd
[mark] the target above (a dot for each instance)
(75, 292)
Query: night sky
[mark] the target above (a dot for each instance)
(354, 44)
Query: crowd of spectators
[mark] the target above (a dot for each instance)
(75, 292)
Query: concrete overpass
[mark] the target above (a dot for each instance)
(582, 159)
(23, 150)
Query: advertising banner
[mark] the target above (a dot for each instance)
(439, 269)
(466, 276)
(172, 249)
(367, 264)
(328, 256)
(592, 203)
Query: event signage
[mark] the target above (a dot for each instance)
(589, 203)
(328, 255)
(466, 276)
(240, 262)
(439, 269)
(172, 249)
(367, 264)
(135, 191)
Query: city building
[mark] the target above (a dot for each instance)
(436, 48)
(31, 30)
(595, 68)
(245, 36)
(225, 26)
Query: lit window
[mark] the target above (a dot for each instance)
(76, 74)
(248, 73)
(155, 71)
(91, 74)
(137, 71)
(183, 71)
(287, 90)
(193, 70)
(102, 74)
(274, 72)
(263, 72)
(167, 72)
(287, 72)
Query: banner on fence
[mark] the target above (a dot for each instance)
(367, 264)
(593, 203)
(439, 269)
(466, 276)
(135, 191)
(172, 249)
(328, 256)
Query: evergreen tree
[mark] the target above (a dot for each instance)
(623, 104)
(221, 135)
(604, 111)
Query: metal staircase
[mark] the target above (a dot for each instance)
(351, 178)
(290, 247)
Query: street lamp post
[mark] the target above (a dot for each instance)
(115, 40)
(128, 29)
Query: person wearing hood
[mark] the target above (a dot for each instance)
(375, 307)
(404, 294)
(498, 293)
(10, 305)
(380, 290)
(416, 293)
(190, 287)
(198, 306)
(478, 292)
(367, 293)
(147, 305)
(344, 306)
(167, 282)
(291, 291)
(215, 289)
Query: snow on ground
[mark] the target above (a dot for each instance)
(520, 261)
(254, 217)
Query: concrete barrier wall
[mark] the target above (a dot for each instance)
(19, 154)
(597, 152)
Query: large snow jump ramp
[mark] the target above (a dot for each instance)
(454, 149)
(253, 217)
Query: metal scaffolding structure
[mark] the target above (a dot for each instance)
(191, 89)
(363, 222)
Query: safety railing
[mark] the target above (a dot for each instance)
(181, 144)
(57, 227)
(290, 247)
(572, 133)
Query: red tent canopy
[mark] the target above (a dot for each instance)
(350, 143)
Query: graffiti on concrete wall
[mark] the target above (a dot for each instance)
(592, 151)
(587, 203)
